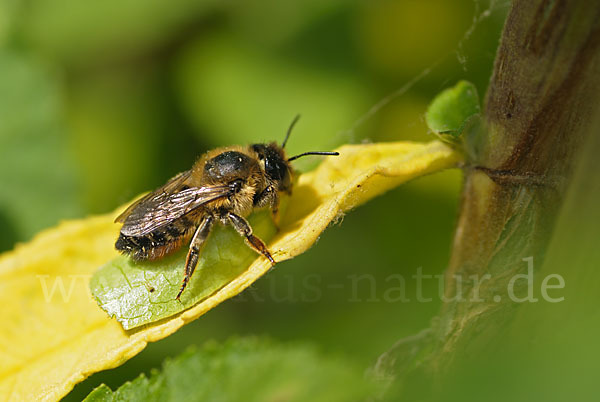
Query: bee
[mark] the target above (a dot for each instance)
(224, 186)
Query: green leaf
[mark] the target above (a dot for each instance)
(245, 370)
(50, 319)
(452, 111)
(138, 293)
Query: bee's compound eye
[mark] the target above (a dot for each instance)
(275, 168)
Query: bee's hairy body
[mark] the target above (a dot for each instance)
(248, 178)
(220, 166)
(158, 243)
(224, 186)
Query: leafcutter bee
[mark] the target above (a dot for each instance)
(224, 185)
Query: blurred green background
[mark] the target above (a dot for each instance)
(100, 101)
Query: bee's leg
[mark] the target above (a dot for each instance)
(192, 257)
(242, 226)
(275, 215)
(275, 211)
(269, 197)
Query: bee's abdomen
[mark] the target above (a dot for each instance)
(156, 244)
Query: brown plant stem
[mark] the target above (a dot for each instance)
(543, 92)
(540, 103)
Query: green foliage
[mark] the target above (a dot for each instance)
(237, 94)
(138, 293)
(452, 111)
(76, 32)
(146, 86)
(38, 180)
(248, 369)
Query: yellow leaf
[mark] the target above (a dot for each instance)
(54, 334)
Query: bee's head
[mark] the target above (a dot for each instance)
(277, 166)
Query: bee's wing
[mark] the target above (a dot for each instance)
(170, 187)
(163, 208)
(165, 205)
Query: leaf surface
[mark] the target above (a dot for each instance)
(138, 293)
(247, 369)
(54, 334)
(452, 110)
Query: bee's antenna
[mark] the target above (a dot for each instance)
(290, 130)
(313, 153)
